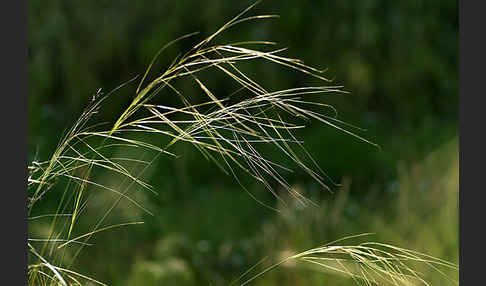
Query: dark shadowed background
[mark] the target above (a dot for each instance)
(398, 60)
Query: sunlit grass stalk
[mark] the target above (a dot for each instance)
(226, 132)
(369, 263)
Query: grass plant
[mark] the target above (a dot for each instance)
(231, 130)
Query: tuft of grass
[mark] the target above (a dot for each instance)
(368, 263)
(229, 130)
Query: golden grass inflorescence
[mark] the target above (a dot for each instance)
(227, 130)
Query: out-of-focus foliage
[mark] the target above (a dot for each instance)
(424, 217)
(398, 59)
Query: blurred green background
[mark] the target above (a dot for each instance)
(398, 59)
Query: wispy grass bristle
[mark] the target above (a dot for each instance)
(368, 263)
(228, 129)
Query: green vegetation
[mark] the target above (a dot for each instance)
(236, 109)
